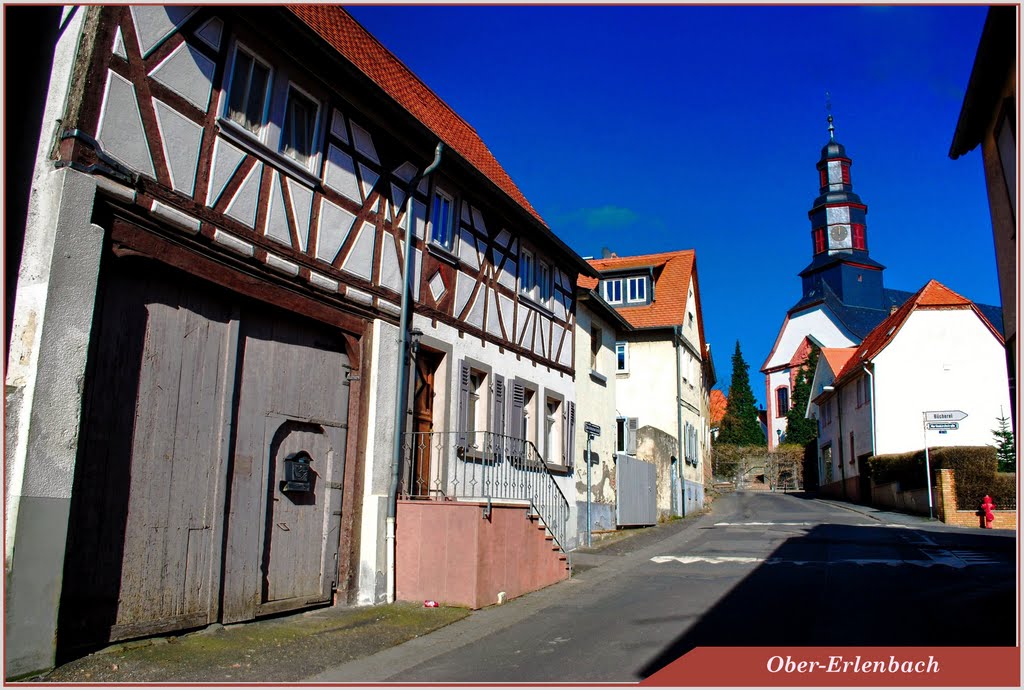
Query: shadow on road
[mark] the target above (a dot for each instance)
(842, 585)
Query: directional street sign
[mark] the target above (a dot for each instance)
(592, 429)
(943, 425)
(944, 416)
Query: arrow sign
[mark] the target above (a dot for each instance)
(944, 416)
(942, 425)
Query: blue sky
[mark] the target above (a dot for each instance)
(654, 128)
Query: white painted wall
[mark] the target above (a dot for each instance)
(595, 395)
(825, 329)
(595, 399)
(939, 360)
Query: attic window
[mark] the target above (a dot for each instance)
(636, 289)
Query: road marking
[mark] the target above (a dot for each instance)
(707, 559)
(766, 524)
(938, 557)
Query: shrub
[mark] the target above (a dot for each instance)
(1004, 491)
(974, 469)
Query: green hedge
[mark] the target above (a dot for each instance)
(974, 468)
(1004, 491)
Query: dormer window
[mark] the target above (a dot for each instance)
(636, 289)
(613, 291)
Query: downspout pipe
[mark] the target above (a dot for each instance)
(402, 392)
(677, 341)
(871, 379)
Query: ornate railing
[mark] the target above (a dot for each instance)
(486, 467)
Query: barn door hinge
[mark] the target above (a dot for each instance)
(351, 376)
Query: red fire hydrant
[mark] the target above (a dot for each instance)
(987, 516)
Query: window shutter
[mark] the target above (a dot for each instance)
(498, 424)
(570, 434)
(514, 420)
(463, 409)
(632, 424)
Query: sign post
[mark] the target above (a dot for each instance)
(592, 430)
(943, 420)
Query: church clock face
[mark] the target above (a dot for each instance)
(838, 233)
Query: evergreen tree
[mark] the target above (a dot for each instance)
(739, 425)
(799, 429)
(1006, 450)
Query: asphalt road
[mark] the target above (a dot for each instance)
(759, 570)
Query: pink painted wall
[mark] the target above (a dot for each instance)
(448, 552)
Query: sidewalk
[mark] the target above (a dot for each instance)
(322, 643)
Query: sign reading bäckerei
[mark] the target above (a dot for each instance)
(944, 416)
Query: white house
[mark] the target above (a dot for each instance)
(598, 328)
(663, 370)
(937, 352)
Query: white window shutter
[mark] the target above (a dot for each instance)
(632, 424)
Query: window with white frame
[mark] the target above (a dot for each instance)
(298, 136)
(596, 338)
(442, 219)
(543, 279)
(257, 95)
(526, 276)
(530, 416)
(613, 291)
(553, 431)
(249, 89)
(622, 357)
(636, 289)
(620, 435)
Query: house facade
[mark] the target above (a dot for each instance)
(663, 371)
(937, 352)
(988, 118)
(598, 328)
(226, 374)
(843, 293)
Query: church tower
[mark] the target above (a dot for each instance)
(839, 236)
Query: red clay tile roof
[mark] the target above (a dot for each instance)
(358, 46)
(586, 282)
(837, 357)
(934, 295)
(672, 271)
(718, 404)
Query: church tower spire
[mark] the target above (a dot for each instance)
(839, 234)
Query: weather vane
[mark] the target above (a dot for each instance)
(828, 107)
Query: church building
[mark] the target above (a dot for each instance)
(843, 296)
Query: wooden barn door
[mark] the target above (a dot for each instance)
(282, 546)
(144, 544)
(194, 398)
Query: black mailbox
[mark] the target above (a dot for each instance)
(297, 473)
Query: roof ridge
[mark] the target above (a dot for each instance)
(405, 67)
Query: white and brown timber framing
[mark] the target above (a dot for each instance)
(331, 255)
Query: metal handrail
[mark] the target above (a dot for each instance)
(483, 466)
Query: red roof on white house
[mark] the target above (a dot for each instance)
(933, 296)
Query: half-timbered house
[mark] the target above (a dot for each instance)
(204, 386)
